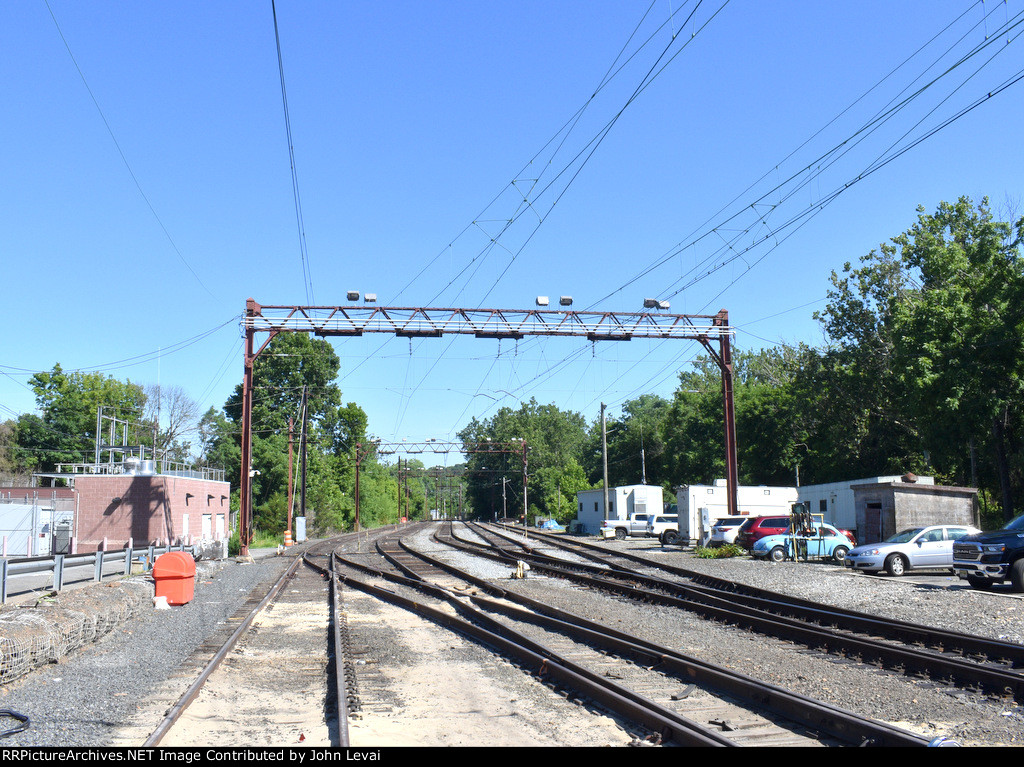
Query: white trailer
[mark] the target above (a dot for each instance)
(701, 505)
(622, 502)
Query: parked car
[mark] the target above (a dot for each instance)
(756, 528)
(920, 548)
(659, 523)
(724, 531)
(822, 541)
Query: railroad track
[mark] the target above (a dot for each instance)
(975, 662)
(672, 697)
(268, 678)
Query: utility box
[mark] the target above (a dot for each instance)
(175, 576)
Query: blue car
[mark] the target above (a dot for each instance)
(824, 542)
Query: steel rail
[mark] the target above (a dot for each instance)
(906, 659)
(816, 715)
(911, 633)
(175, 712)
(341, 686)
(544, 662)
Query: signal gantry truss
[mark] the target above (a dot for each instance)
(414, 322)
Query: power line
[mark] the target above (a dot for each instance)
(124, 159)
(307, 280)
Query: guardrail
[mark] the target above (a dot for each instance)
(60, 564)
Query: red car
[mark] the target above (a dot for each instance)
(755, 528)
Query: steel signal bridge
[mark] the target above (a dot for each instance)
(711, 331)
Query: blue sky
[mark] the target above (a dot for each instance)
(473, 154)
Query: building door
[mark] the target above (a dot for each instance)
(873, 523)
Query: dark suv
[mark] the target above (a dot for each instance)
(755, 528)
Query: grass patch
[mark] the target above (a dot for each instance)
(260, 540)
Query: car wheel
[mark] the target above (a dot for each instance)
(895, 565)
(778, 554)
(670, 538)
(981, 584)
(839, 554)
(1017, 575)
(620, 534)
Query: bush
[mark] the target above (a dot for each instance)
(721, 552)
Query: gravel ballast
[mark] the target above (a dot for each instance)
(84, 698)
(927, 708)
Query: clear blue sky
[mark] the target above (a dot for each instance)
(728, 159)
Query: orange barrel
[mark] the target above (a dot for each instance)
(175, 576)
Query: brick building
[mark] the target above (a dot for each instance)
(148, 508)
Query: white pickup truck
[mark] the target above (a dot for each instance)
(634, 524)
(659, 523)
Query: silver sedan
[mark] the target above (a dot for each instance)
(920, 548)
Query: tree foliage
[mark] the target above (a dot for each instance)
(554, 439)
(930, 326)
(65, 430)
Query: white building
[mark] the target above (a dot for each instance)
(622, 501)
(835, 499)
(700, 505)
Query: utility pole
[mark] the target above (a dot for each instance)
(643, 457)
(526, 508)
(604, 459)
(302, 452)
(288, 528)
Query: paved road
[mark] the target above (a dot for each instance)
(28, 587)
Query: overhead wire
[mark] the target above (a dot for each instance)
(307, 280)
(889, 155)
(814, 169)
(578, 161)
(124, 158)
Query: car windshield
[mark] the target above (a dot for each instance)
(905, 536)
(1015, 524)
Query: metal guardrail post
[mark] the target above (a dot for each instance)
(3, 583)
(98, 576)
(58, 572)
(127, 560)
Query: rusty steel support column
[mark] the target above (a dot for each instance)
(526, 480)
(245, 481)
(732, 472)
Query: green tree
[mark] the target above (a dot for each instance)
(555, 440)
(927, 349)
(293, 364)
(65, 432)
(636, 443)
